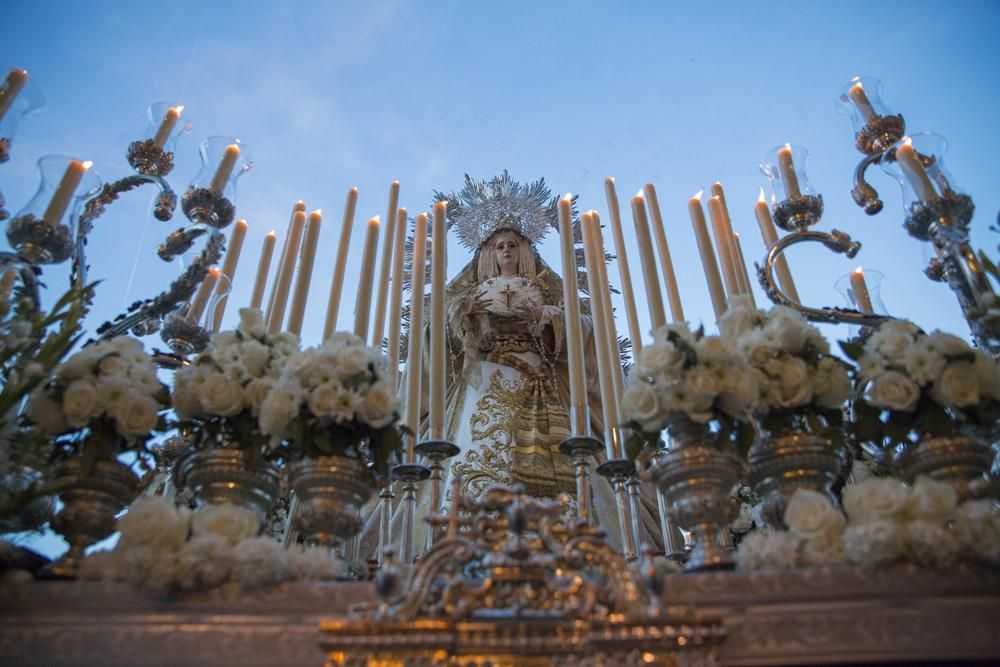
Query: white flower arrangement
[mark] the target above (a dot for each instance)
(330, 398)
(101, 401)
(887, 522)
(219, 396)
(799, 384)
(165, 549)
(916, 384)
(686, 379)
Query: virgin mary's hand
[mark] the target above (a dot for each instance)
(480, 304)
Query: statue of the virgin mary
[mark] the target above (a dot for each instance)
(508, 376)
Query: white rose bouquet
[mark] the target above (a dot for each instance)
(688, 383)
(104, 400)
(219, 396)
(916, 385)
(800, 386)
(331, 399)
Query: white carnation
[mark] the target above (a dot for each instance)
(315, 564)
(660, 359)
(206, 561)
(256, 391)
(874, 543)
(825, 550)
(230, 522)
(930, 544)
(932, 500)
(351, 360)
(978, 526)
(260, 561)
(923, 362)
(256, 356)
(252, 322)
(760, 550)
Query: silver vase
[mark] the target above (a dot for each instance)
(960, 460)
(90, 503)
(228, 477)
(782, 464)
(331, 491)
(696, 482)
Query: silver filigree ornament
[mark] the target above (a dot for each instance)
(482, 208)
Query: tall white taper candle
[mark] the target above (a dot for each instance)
(579, 418)
(707, 255)
(337, 284)
(414, 368)
(363, 305)
(263, 266)
(396, 299)
(770, 236)
(628, 295)
(229, 263)
(303, 277)
(299, 206)
(388, 241)
(439, 359)
(283, 283)
(654, 298)
(669, 277)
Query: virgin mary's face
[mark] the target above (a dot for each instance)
(505, 247)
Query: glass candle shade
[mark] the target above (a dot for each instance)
(873, 281)
(26, 101)
(44, 231)
(861, 100)
(211, 197)
(929, 149)
(165, 123)
(785, 169)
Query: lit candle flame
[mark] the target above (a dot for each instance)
(698, 194)
(610, 180)
(859, 271)
(318, 211)
(568, 197)
(761, 198)
(88, 164)
(179, 109)
(639, 194)
(907, 141)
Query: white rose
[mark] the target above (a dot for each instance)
(256, 356)
(833, 384)
(641, 404)
(660, 359)
(378, 405)
(112, 364)
(323, 400)
(342, 339)
(221, 396)
(187, 391)
(79, 365)
(80, 403)
(145, 379)
(702, 381)
(280, 406)
(713, 350)
(812, 516)
(931, 500)
(957, 386)
(793, 384)
(285, 344)
(47, 414)
(788, 328)
(738, 319)
(679, 397)
(738, 394)
(256, 391)
(351, 360)
(230, 522)
(112, 390)
(875, 499)
(890, 342)
(875, 543)
(988, 372)
(135, 416)
(126, 346)
(894, 391)
(154, 522)
(948, 344)
(252, 322)
(302, 363)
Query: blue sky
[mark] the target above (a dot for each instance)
(328, 96)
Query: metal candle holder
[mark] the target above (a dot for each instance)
(436, 451)
(409, 474)
(618, 472)
(582, 448)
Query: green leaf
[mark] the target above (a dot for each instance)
(852, 350)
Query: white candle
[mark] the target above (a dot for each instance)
(912, 168)
(707, 255)
(303, 277)
(337, 285)
(654, 299)
(593, 256)
(225, 169)
(363, 305)
(574, 335)
(299, 206)
(787, 169)
(396, 299)
(232, 258)
(742, 265)
(12, 85)
(861, 102)
(438, 360)
(723, 245)
(770, 236)
(861, 296)
(414, 368)
(63, 195)
(167, 126)
(659, 231)
(378, 325)
(616, 367)
(628, 295)
(204, 291)
(284, 280)
(263, 266)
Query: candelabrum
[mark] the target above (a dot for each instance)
(436, 452)
(796, 207)
(621, 473)
(935, 210)
(409, 474)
